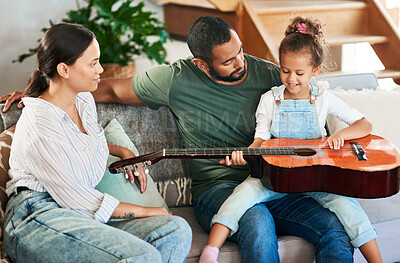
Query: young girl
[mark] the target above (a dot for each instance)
(59, 154)
(297, 110)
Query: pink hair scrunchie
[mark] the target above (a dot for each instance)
(302, 28)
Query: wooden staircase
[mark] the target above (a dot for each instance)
(261, 23)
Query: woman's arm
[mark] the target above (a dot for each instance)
(130, 211)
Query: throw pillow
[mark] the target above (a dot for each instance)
(5, 147)
(116, 184)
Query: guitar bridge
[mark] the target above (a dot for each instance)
(358, 151)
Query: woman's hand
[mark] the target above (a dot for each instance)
(10, 98)
(236, 159)
(141, 175)
(125, 153)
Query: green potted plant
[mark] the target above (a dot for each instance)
(122, 29)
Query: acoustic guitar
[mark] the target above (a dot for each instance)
(367, 167)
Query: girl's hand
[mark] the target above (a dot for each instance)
(358, 129)
(237, 159)
(336, 141)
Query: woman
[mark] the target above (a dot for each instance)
(59, 154)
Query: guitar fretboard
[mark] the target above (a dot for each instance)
(228, 151)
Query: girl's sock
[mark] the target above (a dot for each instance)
(209, 254)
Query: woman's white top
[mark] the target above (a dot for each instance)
(50, 154)
(326, 104)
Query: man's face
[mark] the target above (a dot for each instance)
(228, 63)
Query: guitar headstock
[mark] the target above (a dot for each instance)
(135, 162)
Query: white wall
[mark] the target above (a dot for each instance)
(21, 21)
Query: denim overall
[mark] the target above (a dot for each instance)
(296, 119)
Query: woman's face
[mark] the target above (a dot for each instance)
(85, 72)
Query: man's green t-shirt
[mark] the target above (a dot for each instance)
(208, 114)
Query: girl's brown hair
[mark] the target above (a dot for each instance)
(305, 35)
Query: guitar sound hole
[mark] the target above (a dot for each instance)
(304, 151)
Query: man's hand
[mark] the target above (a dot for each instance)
(237, 159)
(10, 98)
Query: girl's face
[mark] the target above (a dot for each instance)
(85, 72)
(296, 72)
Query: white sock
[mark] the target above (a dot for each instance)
(209, 254)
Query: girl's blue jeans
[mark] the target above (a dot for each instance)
(251, 191)
(36, 230)
(294, 214)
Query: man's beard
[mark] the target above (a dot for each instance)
(213, 73)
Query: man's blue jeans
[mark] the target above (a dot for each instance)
(37, 230)
(294, 214)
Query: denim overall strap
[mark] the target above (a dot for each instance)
(314, 93)
(297, 119)
(277, 95)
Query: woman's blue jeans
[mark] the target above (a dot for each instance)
(294, 214)
(36, 230)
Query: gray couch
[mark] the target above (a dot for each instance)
(154, 130)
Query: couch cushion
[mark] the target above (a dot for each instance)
(116, 184)
(291, 249)
(384, 214)
(377, 106)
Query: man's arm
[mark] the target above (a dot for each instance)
(10, 98)
(109, 90)
(118, 91)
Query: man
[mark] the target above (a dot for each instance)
(213, 97)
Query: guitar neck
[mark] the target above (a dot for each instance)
(194, 153)
(222, 152)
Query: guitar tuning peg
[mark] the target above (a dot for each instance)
(135, 173)
(126, 174)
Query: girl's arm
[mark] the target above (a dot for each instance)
(131, 211)
(357, 129)
(125, 153)
(256, 143)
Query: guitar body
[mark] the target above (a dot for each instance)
(335, 171)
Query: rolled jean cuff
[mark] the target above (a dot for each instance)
(364, 237)
(233, 225)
